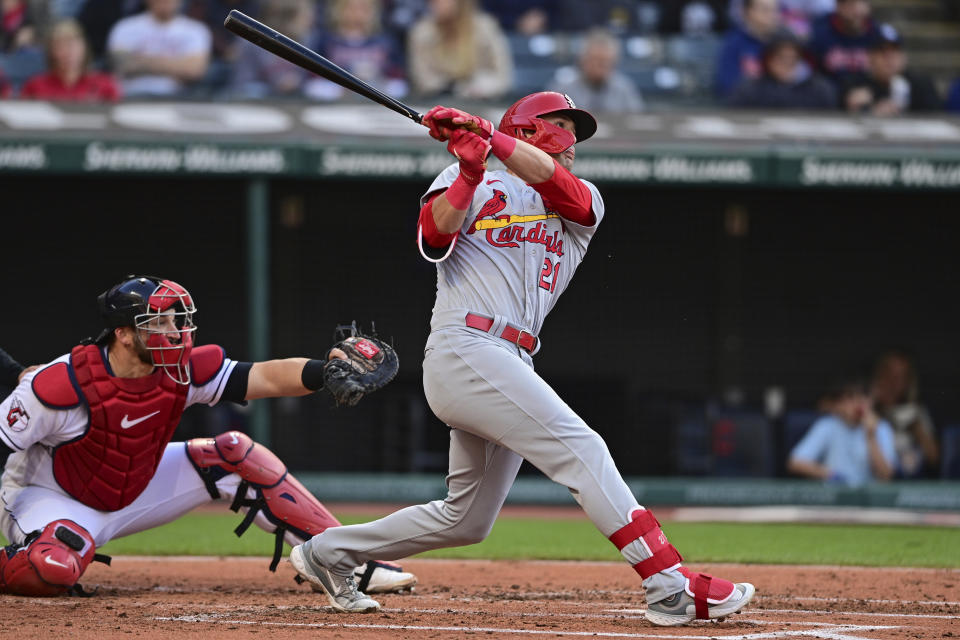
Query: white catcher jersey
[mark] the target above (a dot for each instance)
(513, 257)
(33, 429)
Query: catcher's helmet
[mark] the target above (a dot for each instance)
(525, 114)
(150, 305)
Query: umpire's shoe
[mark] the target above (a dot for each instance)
(341, 591)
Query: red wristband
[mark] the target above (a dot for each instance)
(460, 194)
(502, 145)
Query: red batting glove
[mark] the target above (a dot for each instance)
(441, 120)
(472, 151)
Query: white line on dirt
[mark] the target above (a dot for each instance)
(820, 612)
(930, 616)
(875, 600)
(832, 632)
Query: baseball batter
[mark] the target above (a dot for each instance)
(86, 452)
(506, 244)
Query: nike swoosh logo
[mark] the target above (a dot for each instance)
(492, 181)
(50, 560)
(126, 423)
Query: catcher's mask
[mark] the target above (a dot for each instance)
(159, 309)
(526, 115)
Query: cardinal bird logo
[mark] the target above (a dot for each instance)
(490, 209)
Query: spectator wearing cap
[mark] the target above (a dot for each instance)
(742, 50)
(840, 40)
(69, 76)
(595, 84)
(887, 87)
(787, 81)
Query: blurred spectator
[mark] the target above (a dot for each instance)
(17, 25)
(98, 17)
(399, 16)
(787, 82)
(257, 72)
(525, 17)
(456, 49)
(953, 96)
(840, 40)
(595, 84)
(158, 52)
(65, 8)
(796, 15)
(69, 77)
(851, 445)
(619, 16)
(213, 12)
(355, 41)
(742, 50)
(887, 88)
(895, 395)
(4, 86)
(692, 17)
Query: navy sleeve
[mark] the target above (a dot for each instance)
(5, 452)
(236, 387)
(9, 370)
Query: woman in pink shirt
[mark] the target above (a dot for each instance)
(69, 77)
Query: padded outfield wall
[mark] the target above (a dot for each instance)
(740, 252)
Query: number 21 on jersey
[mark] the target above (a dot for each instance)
(548, 275)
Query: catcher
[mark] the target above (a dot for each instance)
(85, 441)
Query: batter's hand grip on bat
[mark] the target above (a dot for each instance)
(275, 42)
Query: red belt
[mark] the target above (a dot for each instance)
(520, 337)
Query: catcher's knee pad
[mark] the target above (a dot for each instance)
(278, 495)
(49, 562)
(645, 528)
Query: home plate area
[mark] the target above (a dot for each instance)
(213, 598)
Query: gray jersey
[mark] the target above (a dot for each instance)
(513, 256)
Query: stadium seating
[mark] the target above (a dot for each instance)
(950, 452)
(725, 442)
(20, 65)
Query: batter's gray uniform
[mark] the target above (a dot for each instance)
(510, 263)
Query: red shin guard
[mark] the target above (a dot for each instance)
(279, 496)
(50, 561)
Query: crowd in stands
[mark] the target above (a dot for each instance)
(871, 430)
(606, 54)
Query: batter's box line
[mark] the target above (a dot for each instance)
(927, 616)
(836, 632)
(871, 600)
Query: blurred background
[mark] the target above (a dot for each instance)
(781, 181)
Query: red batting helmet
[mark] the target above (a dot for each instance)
(145, 302)
(525, 114)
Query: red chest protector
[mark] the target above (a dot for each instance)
(131, 420)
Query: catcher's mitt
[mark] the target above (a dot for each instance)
(371, 363)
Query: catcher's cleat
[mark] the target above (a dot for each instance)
(383, 577)
(681, 608)
(341, 591)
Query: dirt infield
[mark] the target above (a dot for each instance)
(211, 598)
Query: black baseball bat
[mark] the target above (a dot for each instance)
(292, 51)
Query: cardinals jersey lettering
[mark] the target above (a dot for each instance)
(513, 256)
